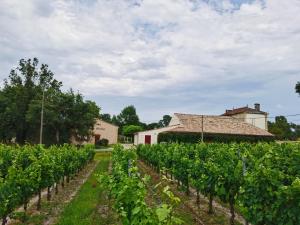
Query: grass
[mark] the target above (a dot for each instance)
(90, 206)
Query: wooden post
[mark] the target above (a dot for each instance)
(202, 129)
(42, 118)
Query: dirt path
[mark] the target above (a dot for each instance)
(221, 214)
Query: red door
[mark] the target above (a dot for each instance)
(97, 138)
(148, 139)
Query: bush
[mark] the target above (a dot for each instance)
(102, 143)
(221, 138)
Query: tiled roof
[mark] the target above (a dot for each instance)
(216, 125)
(246, 109)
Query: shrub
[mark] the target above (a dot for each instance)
(102, 143)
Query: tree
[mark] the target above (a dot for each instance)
(128, 116)
(65, 114)
(152, 126)
(129, 130)
(280, 128)
(298, 87)
(165, 121)
(106, 117)
(25, 84)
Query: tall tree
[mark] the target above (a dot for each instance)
(152, 126)
(25, 84)
(280, 128)
(165, 121)
(106, 117)
(298, 87)
(65, 114)
(128, 116)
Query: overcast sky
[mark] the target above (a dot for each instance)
(163, 56)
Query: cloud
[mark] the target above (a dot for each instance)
(134, 48)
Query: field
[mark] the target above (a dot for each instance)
(207, 184)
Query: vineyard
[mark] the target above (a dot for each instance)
(262, 181)
(26, 171)
(128, 190)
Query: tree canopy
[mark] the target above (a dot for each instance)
(283, 130)
(129, 130)
(65, 114)
(298, 87)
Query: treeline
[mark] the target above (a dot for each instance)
(66, 114)
(129, 122)
(283, 130)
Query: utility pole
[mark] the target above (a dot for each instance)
(202, 129)
(42, 118)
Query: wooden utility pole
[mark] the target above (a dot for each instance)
(42, 118)
(202, 129)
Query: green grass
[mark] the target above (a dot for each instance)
(90, 206)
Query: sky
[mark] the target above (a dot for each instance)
(162, 56)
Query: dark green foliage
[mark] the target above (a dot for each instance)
(129, 130)
(165, 121)
(196, 137)
(102, 143)
(128, 116)
(297, 88)
(65, 114)
(282, 129)
(106, 117)
(29, 169)
(262, 179)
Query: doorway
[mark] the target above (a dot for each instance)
(148, 139)
(97, 138)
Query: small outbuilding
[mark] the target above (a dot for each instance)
(102, 130)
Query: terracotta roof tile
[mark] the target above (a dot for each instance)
(217, 124)
(246, 109)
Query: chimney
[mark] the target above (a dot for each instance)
(257, 106)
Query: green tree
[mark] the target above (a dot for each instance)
(106, 117)
(165, 121)
(65, 114)
(129, 130)
(152, 126)
(298, 87)
(128, 116)
(24, 84)
(280, 128)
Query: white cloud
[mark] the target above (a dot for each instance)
(131, 48)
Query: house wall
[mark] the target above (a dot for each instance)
(105, 130)
(139, 138)
(241, 117)
(258, 120)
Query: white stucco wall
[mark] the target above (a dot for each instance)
(139, 138)
(258, 120)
